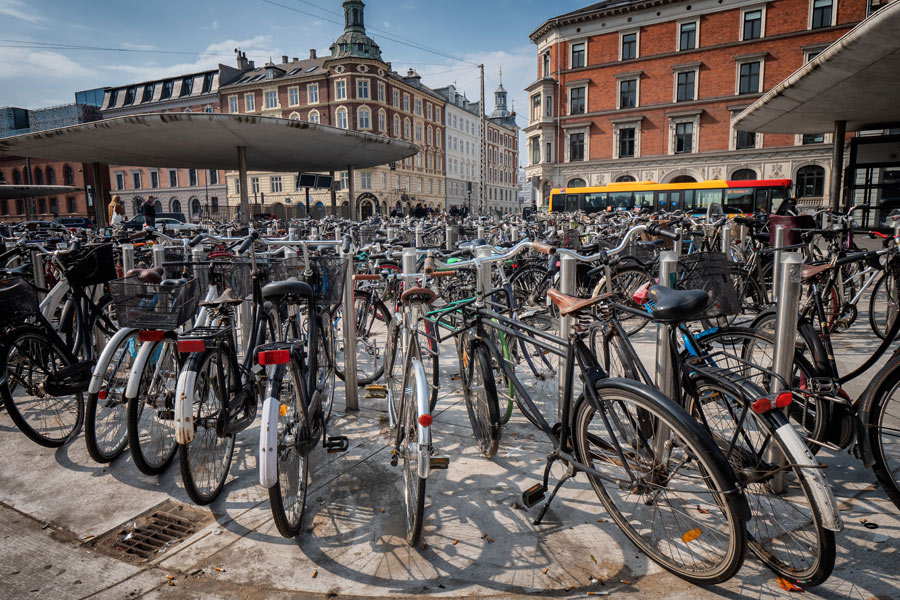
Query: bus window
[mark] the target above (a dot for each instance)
(670, 201)
(777, 196)
(738, 201)
(644, 201)
(761, 205)
(689, 200)
(707, 197)
(572, 202)
(621, 200)
(594, 203)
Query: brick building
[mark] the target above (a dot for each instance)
(194, 193)
(351, 88)
(647, 89)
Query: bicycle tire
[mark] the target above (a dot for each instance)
(207, 452)
(369, 370)
(888, 286)
(625, 281)
(717, 531)
(151, 419)
(325, 365)
(885, 410)
(393, 373)
(429, 354)
(106, 420)
(482, 402)
(27, 352)
(413, 484)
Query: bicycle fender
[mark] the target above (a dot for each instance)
(134, 378)
(268, 443)
(105, 357)
(821, 491)
(423, 454)
(184, 403)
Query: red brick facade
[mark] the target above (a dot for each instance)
(12, 171)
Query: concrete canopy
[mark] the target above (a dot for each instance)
(856, 80)
(30, 191)
(209, 141)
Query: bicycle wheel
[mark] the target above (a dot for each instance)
(884, 433)
(372, 319)
(393, 369)
(151, 413)
(625, 282)
(674, 500)
(287, 497)
(611, 351)
(325, 370)
(884, 304)
(786, 528)
(33, 359)
(413, 485)
(480, 393)
(106, 413)
(205, 462)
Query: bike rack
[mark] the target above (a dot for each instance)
(776, 275)
(127, 257)
(665, 382)
(351, 383)
(567, 271)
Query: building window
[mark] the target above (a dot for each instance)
(154, 179)
(437, 138)
(418, 107)
(743, 175)
(294, 96)
(406, 102)
(120, 180)
(407, 129)
(536, 107)
(546, 72)
(687, 36)
(312, 93)
(72, 205)
(382, 120)
(149, 89)
(365, 180)
(396, 126)
(254, 185)
(752, 26)
(277, 186)
(628, 93)
(187, 85)
(428, 111)
(173, 178)
(396, 98)
(418, 132)
(629, 46)
(626, 142)
(51, 176)
(685, 83)
(684, 138)
(342, 119)
(811, 182)
(576, 147)
(813, 138)
(748, 77)
(167, 90)
(233, 104)
(822, 13)
(381, 92)
(577, 100)
(744, 140)
(130, 93)
(192, 177)
(429, 136)
(578, 55)
(363, 118)
(271, 99)
(68, 175)
(136, 179)
(362, 89)
(249, 102)
(340, 90)
(212, 177)
(313, 116)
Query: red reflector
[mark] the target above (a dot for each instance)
(151, 336)
(274, 357)
(425, 420)
(639, 296)
(101, 394)
(783, 399)
(188, 346)
(762, 405)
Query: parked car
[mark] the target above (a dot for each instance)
(169, 225)
(43, 226)
(77, 222)
(136, 223)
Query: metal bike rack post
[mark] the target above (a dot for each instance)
(293, 234)
(37, 263)
(201, 272)
(514, 234)
(483, 275)
(159, 255)
(776, 262)
(567, 269)
(896, 229)
(677, 244)
(726, 238)
(785, 335)
(479, 231)
(351, 386)
(450, 237)
(742, 235)
(668, 263)
(420, 237)
(127, 257)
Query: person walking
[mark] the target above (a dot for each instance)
(148, 210)
(115, 211)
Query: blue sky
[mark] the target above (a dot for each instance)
(494, 33)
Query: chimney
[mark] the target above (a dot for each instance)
(284, 59)
(251, 65)
(411, 73)
(312, 53)
(241, 60)
(295, 59)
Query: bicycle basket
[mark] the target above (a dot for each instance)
(234, 274)
(89, 265)
(714, 273)
(19, 300)
(151, 306)
(327, 280)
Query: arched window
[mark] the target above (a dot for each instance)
(363, 118)
(175, 205)
(577, 182)
(396, 126)
(811, 182)
(68, 175)
(342, 118)
(437, 138)
(313, 116)
(16, 177)
(429, 136)
(195, 208)
(744, 175)
(38, 176)
(625, 179)
(683, 179)
(136, 203)
(382, 120)
(407, 130)
(157, 206)
(51, 176)
(295, 116)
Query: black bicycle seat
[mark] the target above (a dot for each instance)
(173, 282)
(20, 271)
(674, 306)
(151, 275)
(290, 288)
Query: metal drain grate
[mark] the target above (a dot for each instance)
(160, 530)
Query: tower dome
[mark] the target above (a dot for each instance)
(354, 42)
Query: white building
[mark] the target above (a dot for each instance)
(462, 149)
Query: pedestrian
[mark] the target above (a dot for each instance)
(464, 211)
(419, 212)
(115, 211)
(148, 210)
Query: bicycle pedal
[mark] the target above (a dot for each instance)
(337, 443)
(376, 388)
(533, 495)
(394, 457)
(439, 462)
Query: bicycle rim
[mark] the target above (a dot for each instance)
(151, 414)
(106, 427)
(288, 496)
(413, 485)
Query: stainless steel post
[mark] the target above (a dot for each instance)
(668, 262)
(351, 387)
(483, 274)
(567, 270)
(726, 238)
(420, 237)
(479, 231)
(677, 244)
(37, 263)
(742, 234)
(127, 257)
(450, 237)
(776, 262)
(514, 234)
(159, 255)
(201, 272)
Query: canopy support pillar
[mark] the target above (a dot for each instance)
(333, 191)
(351, 196)
(242, 181)
(98, 197)
(837, 164)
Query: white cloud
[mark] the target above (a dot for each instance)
(214, 26)
(19, 10)
(386, 24)
(39, 64)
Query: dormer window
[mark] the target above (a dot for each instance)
(148, 92)
(129, 95)
(187, 85)
(113, 97)
(167, 90)
(207, 83)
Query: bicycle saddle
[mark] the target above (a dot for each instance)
(290, 288)
(151, 275)
(227, 297)
(810, 271)
(20, 271)
(570, 304)
(417, 294)
(173, 282)
(676, 305)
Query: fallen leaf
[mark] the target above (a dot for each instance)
(788, 586)
(702, 511)
(424, 546)
(544, 570)
(490, 540)
(455, 542)
(570, 588)
(483, 535)
(170, 577)
(593, 559)
(314, 574)
(171, 583)
(601, 520)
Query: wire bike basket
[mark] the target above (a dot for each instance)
(89, 265)
(712, 272)
(329, 273)
(19, 300)
(154, 306)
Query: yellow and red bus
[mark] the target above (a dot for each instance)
(735, 197)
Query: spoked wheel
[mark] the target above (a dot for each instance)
(481, 398)
(106, 419)
(372, 319)
(206, 460)
(413, 485)
(325, 370)
(288, 496)
(884, 434)
(884, 304)
(151, 413)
